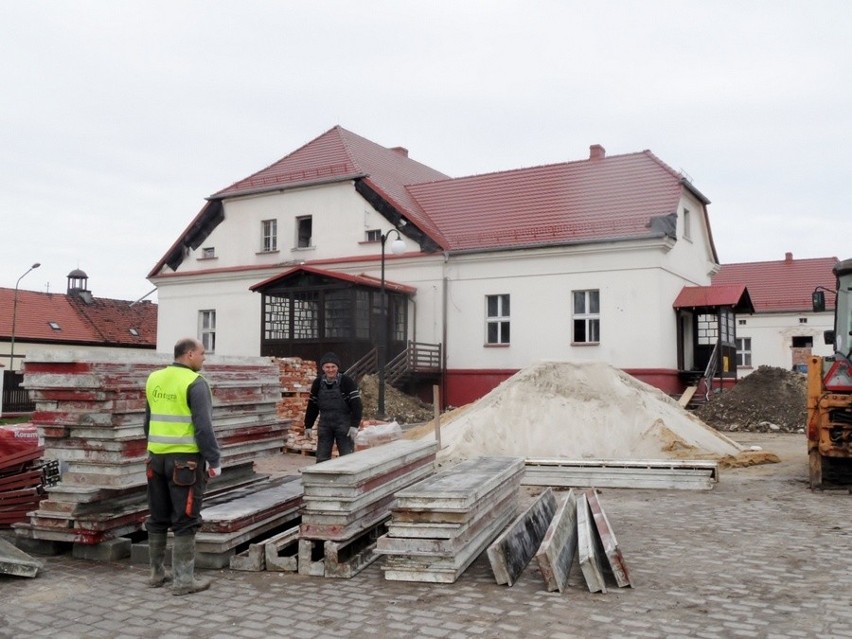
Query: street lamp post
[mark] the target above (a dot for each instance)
(397, 247)
(15, 317)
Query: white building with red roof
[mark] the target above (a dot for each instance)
(580, 260)
(784, 330)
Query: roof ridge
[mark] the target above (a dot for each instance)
(547, 166)
(281, 159)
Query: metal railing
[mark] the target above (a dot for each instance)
(417, 358)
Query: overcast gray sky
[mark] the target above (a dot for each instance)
(118, 118)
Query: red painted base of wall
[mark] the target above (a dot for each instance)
(469, 385)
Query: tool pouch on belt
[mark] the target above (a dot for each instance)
(184, 473)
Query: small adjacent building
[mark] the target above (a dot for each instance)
(784, 331)
(74, 320)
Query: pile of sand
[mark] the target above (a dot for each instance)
(578, 411)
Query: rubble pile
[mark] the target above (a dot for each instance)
(769, 399)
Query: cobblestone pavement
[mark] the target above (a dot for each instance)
(758, 556)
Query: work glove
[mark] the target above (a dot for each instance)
(214, 472)
(353, 433)
(309, 433)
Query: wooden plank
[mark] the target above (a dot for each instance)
(587, 547)
(510, 553)
(687, 395)
(610, 544)
(556, 554)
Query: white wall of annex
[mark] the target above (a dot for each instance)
(772, 337)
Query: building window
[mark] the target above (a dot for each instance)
(134, 332)
(269, 236)
(803, 320)
(207, 330)
(803, 341)
(304, 226)
(374, 235)
(587, 317)
(208, 253)
(54, 326)
(741, 322)
(687, 225)
(497, 319)
(708, 328)
(744, 351)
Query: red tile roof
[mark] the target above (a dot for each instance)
(782, 285)
(588, 201)
(624, 197)
(104, 322)
(364, 280)
(735, 296)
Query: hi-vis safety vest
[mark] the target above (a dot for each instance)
(171, 429)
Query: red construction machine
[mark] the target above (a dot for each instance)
(830, 392)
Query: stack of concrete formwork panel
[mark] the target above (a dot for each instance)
(238, 516)
(442, 524)
(89, 410)
(348, 498)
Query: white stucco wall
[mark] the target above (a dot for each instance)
(638, 282)
(772, 336)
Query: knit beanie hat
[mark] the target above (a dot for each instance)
(330, 358)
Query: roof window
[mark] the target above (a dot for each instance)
(134, 332)
(54, 326)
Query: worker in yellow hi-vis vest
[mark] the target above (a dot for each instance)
(182, 454)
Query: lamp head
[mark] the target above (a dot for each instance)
(397, 246)
(36, 265)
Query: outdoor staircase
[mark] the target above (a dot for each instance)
(417, 360)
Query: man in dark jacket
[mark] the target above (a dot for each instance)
(335, 398)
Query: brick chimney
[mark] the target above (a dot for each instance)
(597, 152)
(401, 150)
(788, 258)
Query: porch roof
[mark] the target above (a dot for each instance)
(361, 280)
(735, 296)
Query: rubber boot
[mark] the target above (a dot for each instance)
(157, 556)
(183, 567)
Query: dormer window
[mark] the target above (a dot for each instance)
(54, 326)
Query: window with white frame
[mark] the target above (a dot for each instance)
(743, 351)
(304, 231)
(208, 252)
(586, 317)
(687, 224)
(207, 330)
(497, 319)
(269, 236)
(374, 235)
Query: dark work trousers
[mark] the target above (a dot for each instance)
(333, 422)
(176, 483)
